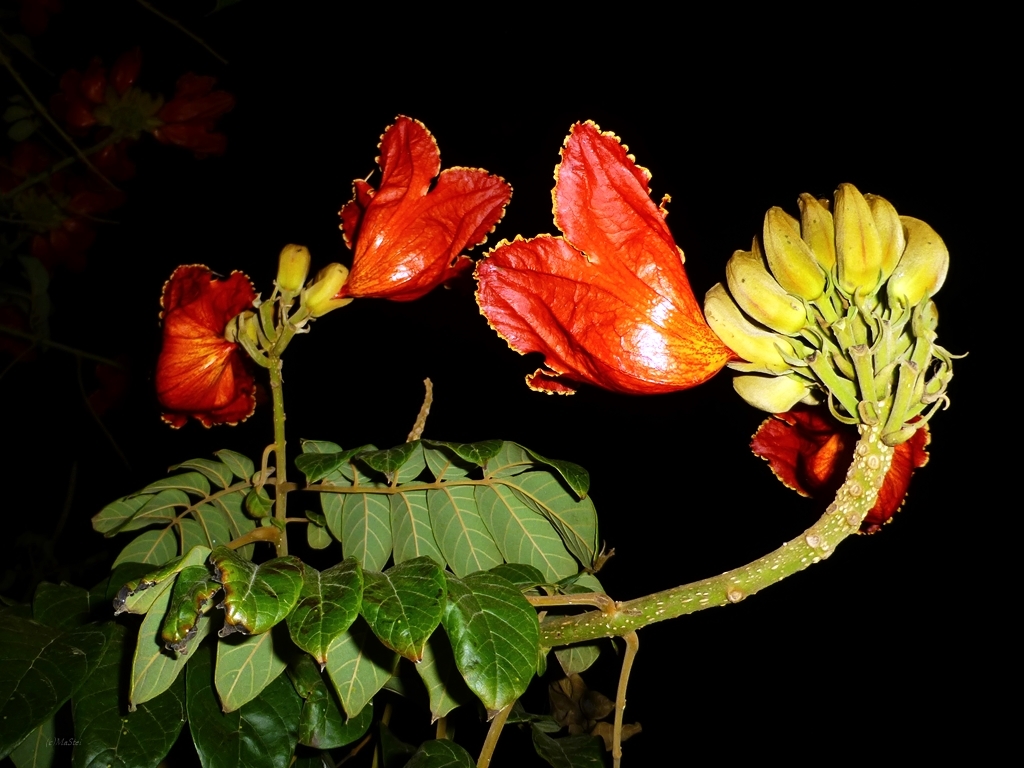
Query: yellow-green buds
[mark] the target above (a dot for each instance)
(760, 295)
(922, 270)
(775, 394)
(790, 258)
(753, 344)
(858, 244)
(818, 230)
(319, 298)
(890, 232)
(292, 268)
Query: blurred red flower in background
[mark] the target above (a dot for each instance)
(190, 117)
(809, 451)
(199, 372)
(609, 303)
(408, 240)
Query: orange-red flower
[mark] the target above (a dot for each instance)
(809, 451)
(200, 373)
(609, 303)
(190, 117)
(408, 240)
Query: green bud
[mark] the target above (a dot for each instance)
(790, 258)
(753, 344)
(319, 298)
(858, 244)
(817, 230)
(775, 394)
(890, 232)
(760, 296)
(922, 270)
(292, 268)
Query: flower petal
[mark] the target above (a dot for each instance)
(408, 240)
(809, 452)
(610, 303)
(199, 373)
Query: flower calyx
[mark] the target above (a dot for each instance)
(838, 308)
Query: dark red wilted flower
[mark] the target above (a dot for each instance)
(199, 372)
(609, 303)
(408, 240)
(809, 451)
(190, 117)
(35, 14)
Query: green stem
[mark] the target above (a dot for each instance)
(853, 501)
(497, 723)
(281, 460)
(57, 345)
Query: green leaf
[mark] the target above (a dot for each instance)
(139, 594)
(190, 600)
(240, 466)
(107, 736)
(216, 471)
(17, 112)
(525, 577)
(575, 659)
(317, 466)
(576, 476)
(261, 734)
(403, 605)
(117, 513)
(396, 753)
(445, 686)
(328, 604)
(245, 668)
(38, 749)
(570, 751)
(522, 534)
(474, 453)
(445, 464)
(575, 521)
(322, 724)
(22, 130)
(207, 527)
(359, 666)
(40, 668)
(460, 532)
(238, 522)
(61, 607)
(390, 460)
(365, 529)
(320, 446)
(159, 509)
(494, 635)
(258, 503)
(511, 460)
(411, 534)
(154, 668)
(154, 547)
(194, 483)
(256, 597)
(441, 753)
(318, 537)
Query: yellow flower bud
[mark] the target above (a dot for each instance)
(890, 232)
(292, 268)
(922, 270)
(319, 298)
(775, 394)
(760, 296)
(753, 344)
(817, 230)
(858, 245)
(791, 260)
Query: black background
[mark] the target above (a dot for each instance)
(731, 116)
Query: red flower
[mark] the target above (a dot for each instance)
(809, 451)
(191, 116)
(35, 14)
(199, 372)
(609, 303)
(408, 240)
(79, 96)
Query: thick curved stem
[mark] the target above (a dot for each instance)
(497, 723)
(853, 501)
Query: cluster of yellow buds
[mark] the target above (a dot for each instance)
(838, 308)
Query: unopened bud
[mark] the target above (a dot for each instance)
(790, 258)
(760, 295)
(922, 270)
(890, 232)
(753, 344)
(775, 394)
(292, 268)
(858, 245)
(817, 230)
(319, 298)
